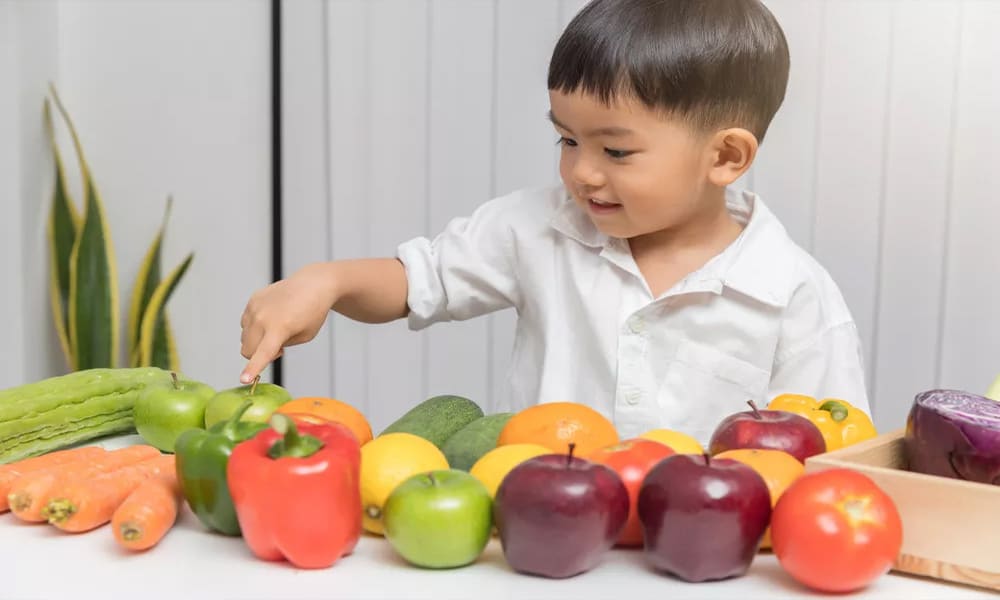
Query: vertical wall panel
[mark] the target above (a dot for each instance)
(525, 141)
(916, 197)
(851, 154)
(397, 175)
(970, 350)
(459, 166)
(785, 169)
(349, 143)
(308, 368)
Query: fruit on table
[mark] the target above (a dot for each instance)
(836, 530)
(771, 429)
(840, 423)
(162, 413)
(201, 459)
(471, 442)
(703, 517)
(681, 443)
(555, 425)
(265, 398)
(493, 466)
(779, 469)
(632, 459)
(557, 514)
(295, 488)
(437, 419)
(387, 461)
(54, 413)
(440, 519)
(330, 410)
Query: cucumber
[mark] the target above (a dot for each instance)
(477, 438)
(437, 419)
(53, 413)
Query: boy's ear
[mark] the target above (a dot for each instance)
(732, 152)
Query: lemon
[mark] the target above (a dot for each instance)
(388, 461)
(681, 443)
(493, 466)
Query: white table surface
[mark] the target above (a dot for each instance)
(38, 561)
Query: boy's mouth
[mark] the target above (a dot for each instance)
(602, 207)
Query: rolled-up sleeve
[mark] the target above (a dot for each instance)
(828, 366)
(466, 271)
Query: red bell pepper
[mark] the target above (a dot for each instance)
(296, 491)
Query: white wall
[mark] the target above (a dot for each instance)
(169, 97)
(403, 113)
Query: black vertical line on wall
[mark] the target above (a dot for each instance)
(276, 226)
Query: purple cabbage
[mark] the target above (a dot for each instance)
(954, 434)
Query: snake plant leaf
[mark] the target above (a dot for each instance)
(93, 276)
(145, 283)
(155, 341)
(63, 223)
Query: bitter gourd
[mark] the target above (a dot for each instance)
(60, 411)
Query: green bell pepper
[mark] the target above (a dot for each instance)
(202, 456)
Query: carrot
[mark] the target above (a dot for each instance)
(30, 492)
(82, 505)
(10, 472)
(148, 513)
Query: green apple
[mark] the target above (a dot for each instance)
(439, 519)
(163, 412)
(266, 398)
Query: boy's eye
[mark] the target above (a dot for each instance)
(617, 153)
(565, 141)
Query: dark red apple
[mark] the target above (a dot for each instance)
(557, 514)
(703, 518)
(769, 429)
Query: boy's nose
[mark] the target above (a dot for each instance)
(585, 174)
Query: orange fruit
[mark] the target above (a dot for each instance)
(555, 425)
(329, 409)
(778, 468)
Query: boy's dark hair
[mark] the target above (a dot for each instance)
(715, 63)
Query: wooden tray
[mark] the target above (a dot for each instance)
(951, 528)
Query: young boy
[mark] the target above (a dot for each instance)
(645, 287)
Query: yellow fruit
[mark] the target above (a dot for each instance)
(386, 462)
(493, 466)
(681, 443)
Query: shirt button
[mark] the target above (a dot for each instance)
(633, 397)
(637, 324)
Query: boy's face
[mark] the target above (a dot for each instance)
(633, 171)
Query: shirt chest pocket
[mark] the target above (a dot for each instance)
(703, 385)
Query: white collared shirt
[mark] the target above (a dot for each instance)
(759, 319)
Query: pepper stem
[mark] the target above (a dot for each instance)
(837, 410)
(292, 444)
(753, 407)
(232, 422)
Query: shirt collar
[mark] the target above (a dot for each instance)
(757, 264)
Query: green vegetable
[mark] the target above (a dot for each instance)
(477, 438)
(202, 458)
(437, 419)
(46, 415)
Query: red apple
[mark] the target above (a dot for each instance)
(557, 514)
(703, 518)
(768, 429)
(632, 459)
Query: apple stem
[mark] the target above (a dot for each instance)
(707, 458)
(173, 376)
(569, 457)
(430, 475)
(253, 386)
(753, 407)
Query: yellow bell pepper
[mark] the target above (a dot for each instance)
(840, 423)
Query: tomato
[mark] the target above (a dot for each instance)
(632, 459)
(836, 530)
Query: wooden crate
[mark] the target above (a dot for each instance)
(951, 528)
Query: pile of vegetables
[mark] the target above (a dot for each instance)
(955, 434)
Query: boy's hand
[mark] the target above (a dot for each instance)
(285, 313)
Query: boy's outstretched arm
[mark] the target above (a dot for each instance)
(293, 310)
